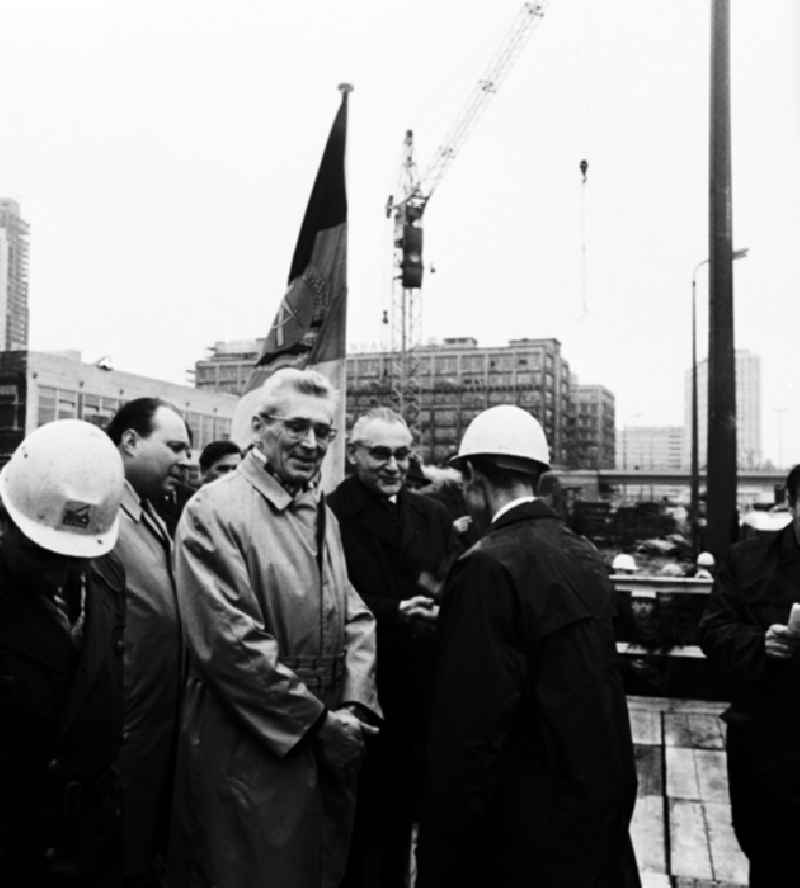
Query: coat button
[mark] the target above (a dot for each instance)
(119, 645)
(53, 765)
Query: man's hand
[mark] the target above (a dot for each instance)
(340, 739)
(418, 607)
(780, 642)
(462, 524)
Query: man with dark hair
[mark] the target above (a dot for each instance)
(752, 638)
(153, 441)
(218, 458)
(532, 777)
(398, 547)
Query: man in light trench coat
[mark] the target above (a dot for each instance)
(281, 651)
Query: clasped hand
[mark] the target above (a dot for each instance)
(341, 738)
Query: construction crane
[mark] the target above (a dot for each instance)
(407, 212)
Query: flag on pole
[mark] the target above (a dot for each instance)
(309, 328)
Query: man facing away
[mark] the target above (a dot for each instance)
(532, 777)
(281, 653)
(153, 441)
(61, 619)
(744, 634)
(398, 546)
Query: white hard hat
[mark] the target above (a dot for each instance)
(705, 559)
(623, 561)
(62, 488)
(509, 434)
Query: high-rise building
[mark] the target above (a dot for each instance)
(592, 436)
(457, 379)
(748, 411)
(13, 277)
(650, 447)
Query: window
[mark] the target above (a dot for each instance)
(222, 429)
(67, 404)
(473, 363)
(446, 365)
(9, 404)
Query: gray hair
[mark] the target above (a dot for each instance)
(385, 414)
(267, 397)
(289, 381)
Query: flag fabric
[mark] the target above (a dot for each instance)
(309, 328)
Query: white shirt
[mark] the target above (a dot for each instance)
(508, 506)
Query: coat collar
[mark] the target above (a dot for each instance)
(352, 498)
(131, 503)
(270, 488)
(527, 511)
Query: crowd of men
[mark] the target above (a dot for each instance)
(278, 694)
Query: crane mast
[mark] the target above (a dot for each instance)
(408, 211)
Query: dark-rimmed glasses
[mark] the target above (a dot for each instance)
(383, 454)
(298, 427)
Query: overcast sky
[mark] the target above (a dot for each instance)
(163, 153)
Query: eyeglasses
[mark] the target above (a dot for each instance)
(298, 427)
(383, 454)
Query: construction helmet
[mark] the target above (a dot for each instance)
(509, 435)
(623, 563)
(705, 559)
(62, 488)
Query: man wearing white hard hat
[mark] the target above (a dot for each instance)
(705, 566)
(750, 632)
(61, 624)
(532, 777)
(623, 563)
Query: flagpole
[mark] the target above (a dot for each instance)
(333, 469)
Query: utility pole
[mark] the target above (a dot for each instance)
(722, 476)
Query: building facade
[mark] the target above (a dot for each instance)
(592, 444)
(748, 411)
(456, 379)
(14, 315)
(38, 387)
(650, 447)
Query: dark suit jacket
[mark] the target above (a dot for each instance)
(532, 777)
(386, 547)
(755, 588)
(61, 716)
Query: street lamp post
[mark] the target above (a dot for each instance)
(694, 495)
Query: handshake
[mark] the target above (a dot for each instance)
(782, 642)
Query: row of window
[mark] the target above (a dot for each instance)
(55, 403)
(451, 364)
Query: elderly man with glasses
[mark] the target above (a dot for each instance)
(280, 691)
(398, 545)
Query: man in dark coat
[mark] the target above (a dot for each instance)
(398, 545)
(745, 635)
(532, 776)
(61, 626)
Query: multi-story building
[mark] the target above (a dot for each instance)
(650, 447)
(748, 411)
(37, 387)
(457, 379)
(13, 276)
(592, 440)
(228, 365)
